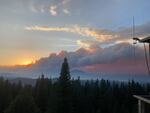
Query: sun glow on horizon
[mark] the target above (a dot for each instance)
(27, 62)
(21, 58)
(23, 63)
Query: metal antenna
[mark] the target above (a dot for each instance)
(133, 32)
(133, 27)
(134, 41)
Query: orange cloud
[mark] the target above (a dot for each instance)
(100, 35)
(83, 44)
(89, 45)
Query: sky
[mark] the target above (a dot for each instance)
(32, 29)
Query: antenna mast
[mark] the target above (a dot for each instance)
(144, 40)
(134, 41)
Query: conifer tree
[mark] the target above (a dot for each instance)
(42, 93)
(65, 73)
(23, 103)
(64, 89)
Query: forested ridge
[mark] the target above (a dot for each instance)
(68, 95)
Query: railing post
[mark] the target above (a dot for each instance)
(141, 107)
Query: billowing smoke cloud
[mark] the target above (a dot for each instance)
(118, 59)
(115, 59)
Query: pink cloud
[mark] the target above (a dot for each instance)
(122, 66)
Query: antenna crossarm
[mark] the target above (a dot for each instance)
(136, 39)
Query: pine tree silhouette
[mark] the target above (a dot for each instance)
(64, 92)
(65, 73)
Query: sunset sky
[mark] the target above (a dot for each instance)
(31, 29)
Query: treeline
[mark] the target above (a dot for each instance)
(66, 95)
